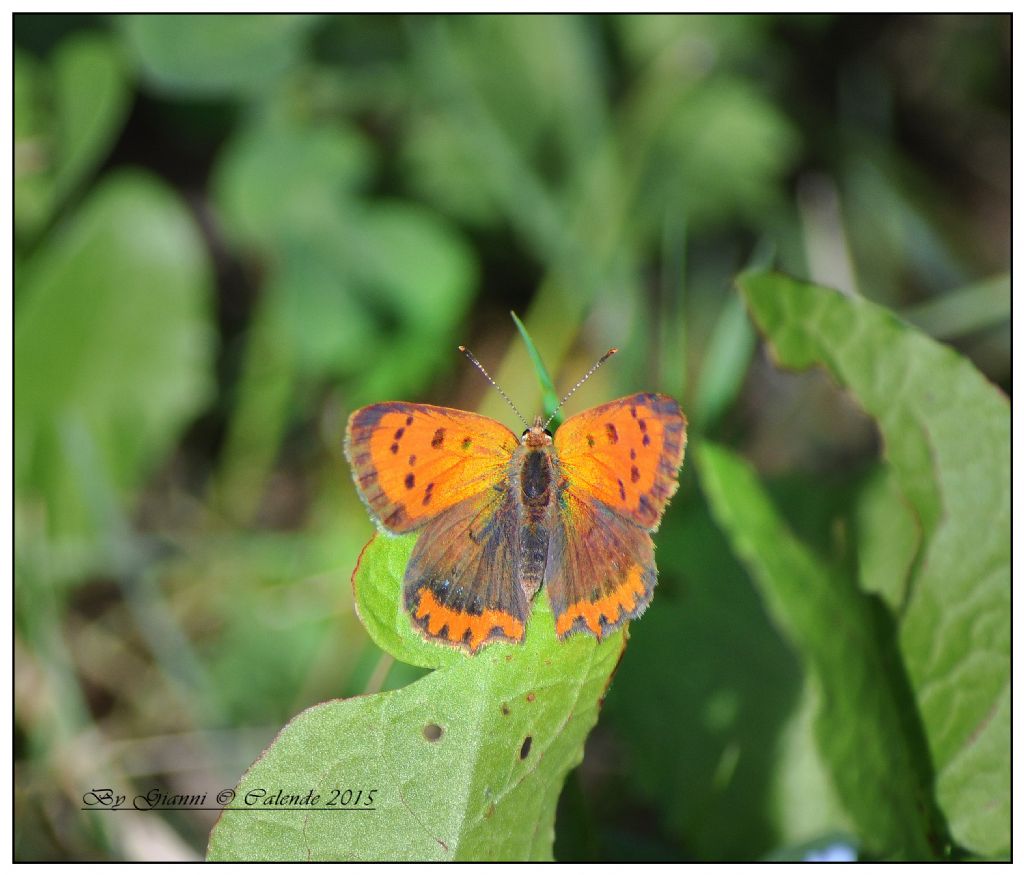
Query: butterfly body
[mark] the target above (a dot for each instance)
(533, 472)
(500, 517)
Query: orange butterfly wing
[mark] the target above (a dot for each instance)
(461, 583)
(620, 463)
(626, 454)
(412, 461)
(601, 569)
(446, 472)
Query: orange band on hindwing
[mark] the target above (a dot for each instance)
(606, 612)
(460, 627)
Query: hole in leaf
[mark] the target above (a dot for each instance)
(524, 751)
(432, 732)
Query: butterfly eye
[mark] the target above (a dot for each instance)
(548, 433)
(526, 431)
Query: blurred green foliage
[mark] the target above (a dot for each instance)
(230, 231)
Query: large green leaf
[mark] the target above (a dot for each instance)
(946, 433)
(113, 351)
(465, 764)
(866, 726)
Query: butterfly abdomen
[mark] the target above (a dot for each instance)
(534, 486)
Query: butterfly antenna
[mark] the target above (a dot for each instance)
(586, 377)
(490, 380)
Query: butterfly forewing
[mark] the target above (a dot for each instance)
(412, 461)
(625, 454)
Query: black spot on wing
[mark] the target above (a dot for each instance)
(437, 441)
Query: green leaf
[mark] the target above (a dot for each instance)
(466, 763)
(113, 351)
(66, 117)
(216, 55)
(278, 178)
(377, 587)
(946, 433)
(887, 538)
(866, 727)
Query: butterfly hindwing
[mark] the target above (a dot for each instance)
(413, 461)
(461, 583)
(601, 569)
(625, 454)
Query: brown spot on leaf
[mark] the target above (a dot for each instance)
(432, 732)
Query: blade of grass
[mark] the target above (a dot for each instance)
(550, 396)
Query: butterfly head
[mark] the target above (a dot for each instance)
(536, 435)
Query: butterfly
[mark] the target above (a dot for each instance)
(499, 515)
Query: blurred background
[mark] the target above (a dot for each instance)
(231, 231)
